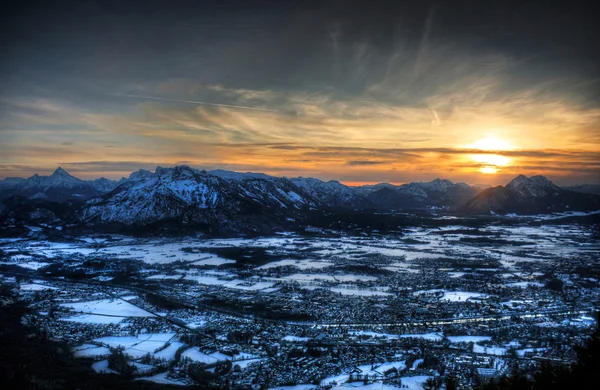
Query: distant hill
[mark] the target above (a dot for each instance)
(585, 188)
(438, 193)
(369, 188)
(534, 195)
(58, 187)
(332, 193)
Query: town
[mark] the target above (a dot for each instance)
(413, 309)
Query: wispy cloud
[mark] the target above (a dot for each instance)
(195, 102)
(364, 162)
(332, 101)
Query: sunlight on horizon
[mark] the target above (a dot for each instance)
(491, 162)
(491, 143)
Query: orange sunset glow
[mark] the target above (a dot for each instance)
(337, 102)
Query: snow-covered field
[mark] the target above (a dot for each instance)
(525, 284)
(295, 338)
(499, 351)
(375, 371)
(213, 260)
(300, 264)
(309, 278)
(451, 296)
(93, 319)
(450, 266)
(35, 265)
(91, 350)
(160, 345)
(372, 334)
(36, 287)
(429, 244)
(195, 354)
(108, 307)
(460, 296)
(426, 336)
(358, 292)
(468, 339)
(101, 367)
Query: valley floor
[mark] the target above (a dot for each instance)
(328, 309)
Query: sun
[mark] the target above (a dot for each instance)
(491, 159)
(488, 170)
(490, 163)
(491, 143)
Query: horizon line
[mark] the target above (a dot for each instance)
(348, 183)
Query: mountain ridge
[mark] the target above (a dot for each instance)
(59, 186)
(530, 195)
(236, 203)
(438, 193)
(234, 174)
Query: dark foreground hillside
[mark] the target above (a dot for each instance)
(582, 375)
(28, 360)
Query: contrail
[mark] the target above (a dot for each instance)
(197, 102)
(435, 119)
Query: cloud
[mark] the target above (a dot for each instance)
(435, 119)
(243, 94)
(196, 102)
(364, 162)
(109, 166)
(343, 99)
(286, 147)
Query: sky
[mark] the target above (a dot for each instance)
(360, 92)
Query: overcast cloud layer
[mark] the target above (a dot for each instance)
(340, 90)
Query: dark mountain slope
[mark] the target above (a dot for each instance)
(534, 195)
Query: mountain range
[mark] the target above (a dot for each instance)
(225, 202)
(533, 195)
(58, 187)
(182, 196)
(438, 193)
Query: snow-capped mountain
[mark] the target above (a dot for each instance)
(189, 197)
(59, 186)
(533, 195)
(10, 182)
(534, 186)
(60, 178)
(231, 175)
(421, 195)
(369, 188)
(223, 202)
(140, 175)
(104, 185)
(331, 193)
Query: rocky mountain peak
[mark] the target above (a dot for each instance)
(438, 184)
(140, 175)
(534, 186)
(61, 172)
